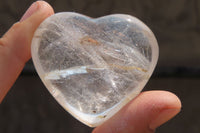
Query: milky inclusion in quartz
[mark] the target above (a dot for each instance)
(93, 67)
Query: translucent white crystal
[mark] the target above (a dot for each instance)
(93, 67)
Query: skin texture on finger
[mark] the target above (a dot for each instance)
(143, 114)
(15, 46)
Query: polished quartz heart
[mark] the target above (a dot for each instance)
(93, 67)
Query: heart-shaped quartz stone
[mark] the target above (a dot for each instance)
(93, 67)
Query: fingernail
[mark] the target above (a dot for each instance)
(163, 117)
(33, 8)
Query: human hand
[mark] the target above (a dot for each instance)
(15, 45)
(142, 115)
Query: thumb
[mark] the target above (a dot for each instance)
(15, 44)
(143, 114)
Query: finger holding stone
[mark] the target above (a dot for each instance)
(15, 44)
(143, 114)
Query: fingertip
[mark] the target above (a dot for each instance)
(37, 6)
(175, 101)
(46, 7)
(42, 11)
(29, 25)
(163, 99)
(167, 105)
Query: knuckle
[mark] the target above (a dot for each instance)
(149, 130)
(2, 44)
(16, 25)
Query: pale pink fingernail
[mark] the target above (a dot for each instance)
(33, 8)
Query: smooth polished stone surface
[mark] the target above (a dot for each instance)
(93, 67)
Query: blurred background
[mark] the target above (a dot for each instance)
(29, 107)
